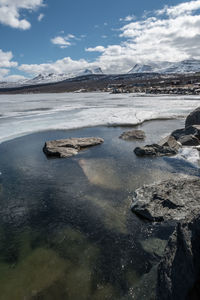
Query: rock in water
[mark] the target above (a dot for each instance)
(167, 200)
(193, 118)
(179, 269)
(155, 150)
(133, 135)
(69, 147)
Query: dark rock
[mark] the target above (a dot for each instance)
(190, 130)
(193, 118)
(69, 147)
(168, 200)
(133, 134)
(155, 150)
(189, 140)
(179, 269)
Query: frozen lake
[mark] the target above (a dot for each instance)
(23, 114)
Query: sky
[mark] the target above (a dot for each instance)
(66, 36)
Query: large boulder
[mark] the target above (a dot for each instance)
(167, 200)
(193, 118)
(179, 269)
(155, 150)
(70, 147)
(133, 135)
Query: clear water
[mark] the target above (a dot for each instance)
(66, 229)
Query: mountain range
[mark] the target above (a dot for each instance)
(182, 67)
(51, 77)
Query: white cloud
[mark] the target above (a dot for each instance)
(128, 18)
(180, 9)
(170, 35)
(95, 49)
(6, 63)
(65, 65)
(14, 78)
(3, 73)
(40, 17)
(10, 12)
(63, 42)
(6, 60)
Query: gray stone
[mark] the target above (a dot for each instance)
(70, 147)
(193, 118)
(133, 134)
(179, 269)
(189, 140)
(155, 150)
(167, 200)
(170, 142)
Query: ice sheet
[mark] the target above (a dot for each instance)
(23, 114)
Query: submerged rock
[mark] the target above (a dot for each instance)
(133, 134)
(69, 147)
(155, 150)
(179, 269)
(167, 200)
(193, 118)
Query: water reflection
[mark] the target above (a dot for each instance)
(66, 230)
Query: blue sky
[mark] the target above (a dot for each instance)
(64, 36)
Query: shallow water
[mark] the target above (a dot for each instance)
(66, 229)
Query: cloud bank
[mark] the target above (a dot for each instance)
(169, 34)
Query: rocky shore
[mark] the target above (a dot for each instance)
(178, 202)
(188, 136)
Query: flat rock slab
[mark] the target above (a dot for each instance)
(167, 200)
(133, 135)
(70, 147)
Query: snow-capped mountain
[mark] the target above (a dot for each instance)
(94, 71)
(139, 68)
(185, 66)
(182, 67)
(50, 78)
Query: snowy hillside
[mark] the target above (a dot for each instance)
(182, 67)
(50, 78)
